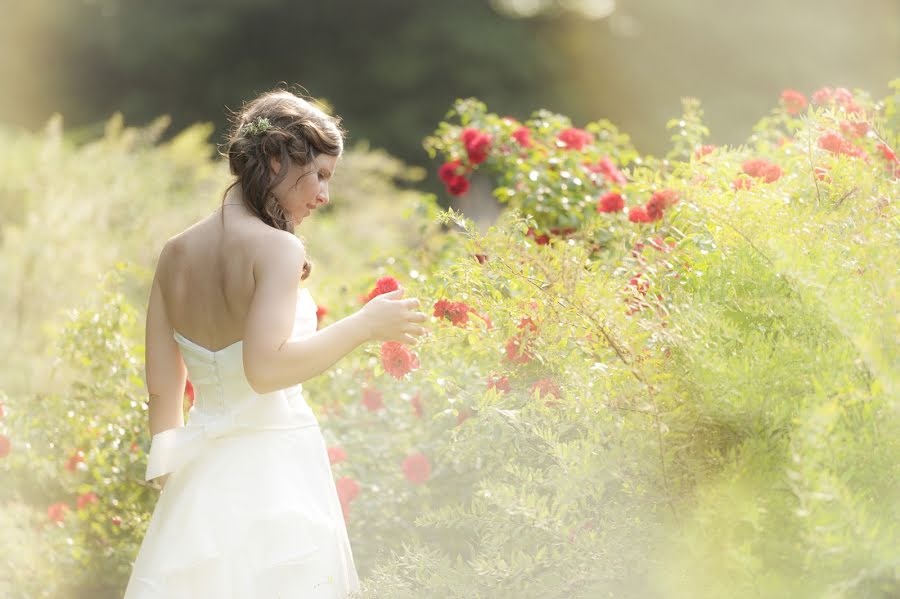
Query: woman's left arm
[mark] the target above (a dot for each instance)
(164, 366)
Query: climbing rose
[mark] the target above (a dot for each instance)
(477, 144)
(84, 499)
(5, 446)
(793, 101)
(416, 468)
(523, 136)
(453, 175)
(574, 138)
(347, 489)
(611, 202)
(57, 512)
(397, 360)
(372, 399)
(336, 455)
(762, 169)
(383, 285)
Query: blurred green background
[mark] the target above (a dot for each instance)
(392, 68)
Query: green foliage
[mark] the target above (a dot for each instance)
(702, 403)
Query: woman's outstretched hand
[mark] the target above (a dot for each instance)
(391, 318)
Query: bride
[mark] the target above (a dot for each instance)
(248, 507)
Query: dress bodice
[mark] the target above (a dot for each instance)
(225, 403)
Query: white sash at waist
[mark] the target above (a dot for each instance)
(171, 449)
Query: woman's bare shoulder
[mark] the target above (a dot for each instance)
(274, 249)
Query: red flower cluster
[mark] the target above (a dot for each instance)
(455, 312)
(501, 384)
(840, 96)
(321, 311)
(453, 174)
(574, 138)
(761, 168)
(742, 182)
(703, 151)
(854, 129)
(189, 391)
(397, 360)
(74, 460)
(893, 165)
(57, 512)
(347, 490)
(517, 347)
(547, 388)
(418, 407)
(383, 285)
(606, 168)
(85, 499)
(336, 455)
(416, 468)
(477, 144)
(653, 210)
(372, 399)
(836, 144)
(794, 102)
(522, 135)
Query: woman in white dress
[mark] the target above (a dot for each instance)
(248, 507)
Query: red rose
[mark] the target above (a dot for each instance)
(85, 499)
(383, 285)
(73, 461)
(450, 170)
(703, 151)
(611, 202)
(416, 468)
(547, 388)
(888, 153)
(742, 182)
(5, 446)
(540, 239)
(762, 169)
(477, 144)
(794, 102)
(574, 138)
(189, 391)
(57, 512)
(516, 351)
(857, 129)
(397, 360)
(372, 399)
(455, 312)
(418, 407)
(822, 174)
(457, 186)
(347, 489)
(834, 143)
(638, 214)
(501, 384)
(523, 136)
(336, 455)
(321, 311)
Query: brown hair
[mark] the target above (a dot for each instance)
(293, 130)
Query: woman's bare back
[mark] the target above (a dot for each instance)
(207, 280)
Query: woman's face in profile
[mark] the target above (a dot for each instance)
(305, 187)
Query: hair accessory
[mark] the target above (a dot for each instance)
(257, 127)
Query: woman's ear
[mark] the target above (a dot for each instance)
(275, 165)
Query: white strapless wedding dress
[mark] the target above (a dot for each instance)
(250, 509)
